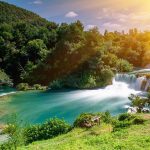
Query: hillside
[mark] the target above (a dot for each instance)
(11, 14)
(136, 137)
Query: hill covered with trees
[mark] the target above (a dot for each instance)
(34, 50)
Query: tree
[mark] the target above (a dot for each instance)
(36, 50)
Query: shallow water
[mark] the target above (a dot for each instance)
(36, 107)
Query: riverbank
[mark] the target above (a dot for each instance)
(136, 137)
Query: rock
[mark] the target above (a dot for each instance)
(132, 110)
(3, 137)
(143, 85)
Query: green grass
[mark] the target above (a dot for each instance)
(136, 137)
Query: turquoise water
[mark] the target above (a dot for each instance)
(5, 90)
(36, 106)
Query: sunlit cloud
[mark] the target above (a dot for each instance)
(37, 2)
(71, 14)
(110, 25)
(90, 26)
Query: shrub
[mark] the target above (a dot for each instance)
(124, 66)
(125, 116)
(50, 129)
(106, 117)
(82, 119)
(105, 77)
(138, 120)
(39, 87)
(4, 78)
(9, 129)
(22, 86)
(121, 124)
(15, 132)
(56, 84)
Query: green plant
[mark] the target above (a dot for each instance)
(15, 132)
(125, 116)
(39, 87)
(106, 117)
(118, 125)
(22, 86)
(47, 130)
(82, 119)
(138, 120)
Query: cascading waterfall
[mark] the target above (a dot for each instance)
(137, 83)
(128, 79)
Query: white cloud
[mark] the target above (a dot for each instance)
(122, 20)
(37, 2)
(111, 25)
(90, 26)
(71, 14)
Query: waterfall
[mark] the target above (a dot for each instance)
(147, 85)
(136, 83)
(139, 83)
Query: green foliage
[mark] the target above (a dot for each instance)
(99, 137)
(125, 116)
(125, 120)
(47, 130)
(82, 119)
(36, 49)
(124, 66)
(106, 76)
(138, 120)
(85, 119)
(11, 14)
(15, 132)
(56, 84)
(22, 86)
(121, 124)
(139, 102)
(4, 78)
(106, 117)
(38, 87)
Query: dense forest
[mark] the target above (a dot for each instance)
(34, 50)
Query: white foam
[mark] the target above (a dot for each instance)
(4, 94)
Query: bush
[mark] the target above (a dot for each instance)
(82, 119)
(106, 117)
(125, 116)
(4, 78)
(87, 120)
(138, 120)
(121, 124)
(50, 129)
(9, 129)
(23, 86)
(56, 84)
(125, 120)
(39, 87)
(124, 66)
(15, 132)
(105, 77)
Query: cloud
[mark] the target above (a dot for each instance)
(90, 26)
(37, 2)
(71, 14)
(110, 25)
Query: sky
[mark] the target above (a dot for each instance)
(105, 14)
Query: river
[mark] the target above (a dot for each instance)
(36, 106)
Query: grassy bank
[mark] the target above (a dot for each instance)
(135, 137)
